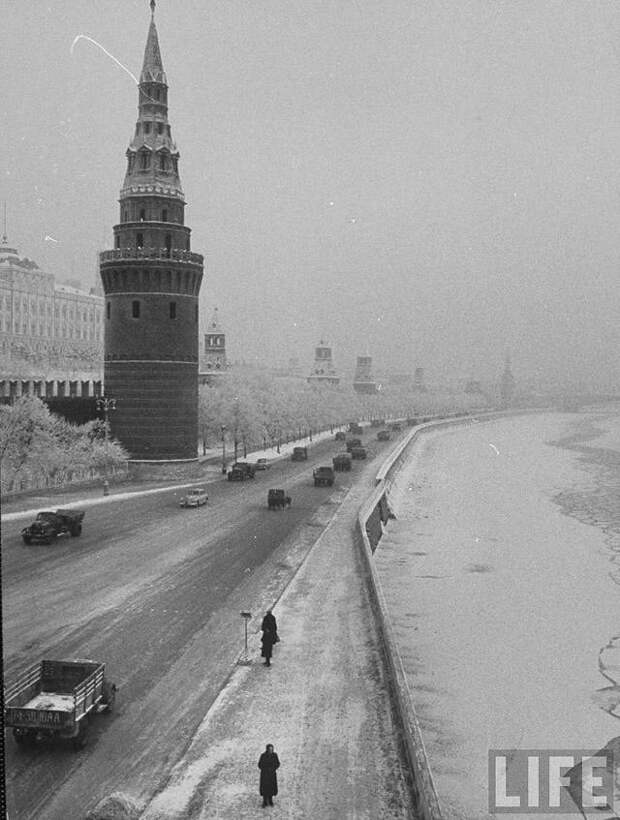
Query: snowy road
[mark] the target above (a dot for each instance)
(501, 575)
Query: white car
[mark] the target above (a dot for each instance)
(195, 497)
(262, 464)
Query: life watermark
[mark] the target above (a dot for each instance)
(550, 781)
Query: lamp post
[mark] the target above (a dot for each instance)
(107, 405)
(223, 429)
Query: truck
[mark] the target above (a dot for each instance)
(384, 435)
(323, 476)
(299, 454)
(249, 469)
(356, 428)
(342, 462)
(57, 698)
(49, 525)
(358, 452)
(353, 442)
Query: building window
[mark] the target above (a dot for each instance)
(140, 241)
(125, 215)
(117, 240)
(196, 313)
(142, 214)
(107, 310)
(144, 160)
(168, 244)
(160, 128)
(164, 215)
(147, 127)
(173, 310)
(135, 309)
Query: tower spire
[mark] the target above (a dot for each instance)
(152, 8)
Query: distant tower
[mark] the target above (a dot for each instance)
(213, 362)
(507, 389)
(363, 381)
(418, 380)
(323, 371)
(151, 282)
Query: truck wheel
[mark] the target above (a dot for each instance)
(48, 540)
(19, 736)
(76, 530)
(27, 539)
(109, 696)
(80, 740)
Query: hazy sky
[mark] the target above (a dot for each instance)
(433, 182)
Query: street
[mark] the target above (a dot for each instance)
(155, 591)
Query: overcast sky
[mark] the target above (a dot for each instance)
(432, 182)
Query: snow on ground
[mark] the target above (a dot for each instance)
(322, 704)
(503, 606)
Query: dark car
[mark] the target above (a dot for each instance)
(356, 428)
(237, 474)
(340, 436)
(299, 454)
(48, 525)
(377, 422)
(278, 499)
(323, 476)
(396, 426)
(354, 442)
(411, 422)
(358, 452)
(384, 435)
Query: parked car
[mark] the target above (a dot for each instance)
(262, 464)
(278, 500)
(377, 422)
(195, 497)
(49, 525)
(358, 452)
(384, 435)
(354, 442)
(396, 426)
(411, 421)
(356, 428)
(299, 454)
(342, 462)
(340, 436)
(323, 476)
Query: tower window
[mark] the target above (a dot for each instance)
(160, 128)
(147, 127)
(196, 313)
(157, 93)
(173, 310)
(168, 130)
(142, 214)
(135, 309)
(117, 240)
(139, 241)
(163, 162)
(125, 215)
(107, 310)
(144, 160)
(168, 244)
(164, 215)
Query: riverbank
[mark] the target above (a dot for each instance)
(502, 605)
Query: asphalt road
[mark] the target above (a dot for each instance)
(156, 592)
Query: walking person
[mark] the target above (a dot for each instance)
(268, 762)
(269, 623)
(267, 641)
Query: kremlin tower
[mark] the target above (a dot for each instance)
(151, 281)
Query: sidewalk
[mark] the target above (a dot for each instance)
(323, 704)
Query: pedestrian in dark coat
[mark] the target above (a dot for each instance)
(269, 622)
(268, 762)
(267, 641)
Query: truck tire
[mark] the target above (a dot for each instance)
(27, 539)
(76, 530)
(81, 739)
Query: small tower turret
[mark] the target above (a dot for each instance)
(213, 363)
(323, 371)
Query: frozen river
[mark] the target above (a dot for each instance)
(502, 576)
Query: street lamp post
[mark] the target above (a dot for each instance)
(223, 428)
(107, 405)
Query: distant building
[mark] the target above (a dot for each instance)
(48, 330)
(363, 381)
(507, 387)
(323, 371)
(213, 363)
(418, 380)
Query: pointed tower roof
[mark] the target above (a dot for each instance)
(215, 325)
(152, 67)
